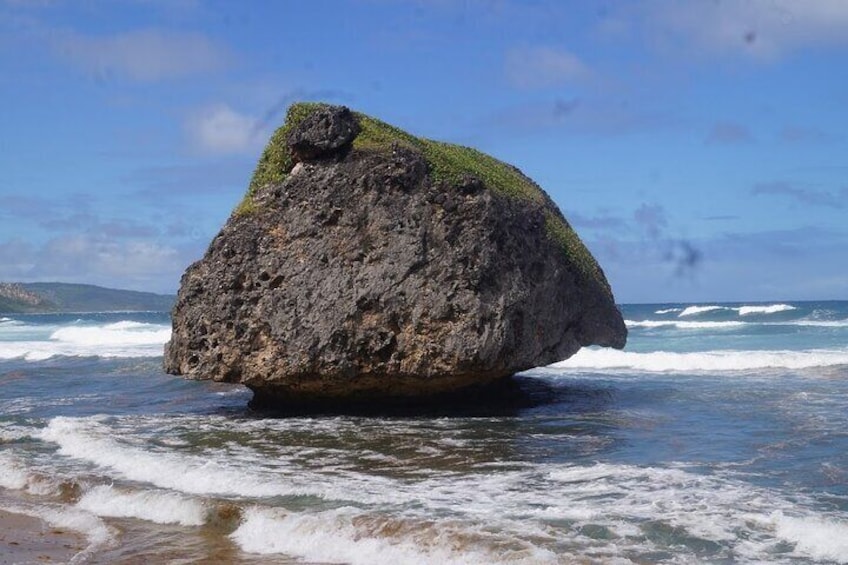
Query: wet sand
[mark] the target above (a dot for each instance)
(24, 540)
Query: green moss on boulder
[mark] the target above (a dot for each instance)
(447, 162)
(276, 160)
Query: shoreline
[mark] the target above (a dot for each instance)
(26, 539)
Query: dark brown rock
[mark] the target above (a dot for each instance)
(324, 131)
(366, 278)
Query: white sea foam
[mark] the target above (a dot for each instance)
(480, 515)
(10, 324)
(668, 310)
(19, 331)
(695, 310)
(11, 432)
(748, 519)
(238, 471)
(160, 507)
(741, 310)
(821, 539)
(683, 325)
(13, 475)
(77, 333)
(87, 439)
(720, 360)
(120, 339)
(520, 513)
(117, 334)
(348, 535)
(771, 309)
(16, 475)
(816, 323)
(705, 506)
(729, 324)
(97, 532)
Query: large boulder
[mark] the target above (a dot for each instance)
(366, 264)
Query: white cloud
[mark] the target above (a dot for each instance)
(137, 263)
(145, 55)
(760, 29)
(541, 67)
(220, 129)
(76, 254)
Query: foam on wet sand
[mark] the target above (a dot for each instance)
(26, 539)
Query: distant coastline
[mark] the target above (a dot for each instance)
(60, 298)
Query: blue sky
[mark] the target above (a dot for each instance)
(699, 147)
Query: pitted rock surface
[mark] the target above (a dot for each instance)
(360, 278)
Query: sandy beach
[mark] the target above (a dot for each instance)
(24, 539)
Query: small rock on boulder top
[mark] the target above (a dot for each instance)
(368, 265)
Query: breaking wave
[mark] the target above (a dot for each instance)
(349, 535)
(820, 538)
(118, 339)
(772, 309)
(668, 310)
(695, 310)
(89, 440)
(731, 324)
(663, 361)
(683, 325)
(161, 507)
(741, 310)
(541, 513)
(96, 531)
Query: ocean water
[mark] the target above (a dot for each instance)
(720, 435)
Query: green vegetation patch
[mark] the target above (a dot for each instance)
(65, 297)
(448, 163)
(575, 250)
(276, 162)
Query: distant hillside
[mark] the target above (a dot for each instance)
(64, 297)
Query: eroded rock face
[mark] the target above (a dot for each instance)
(360, 276)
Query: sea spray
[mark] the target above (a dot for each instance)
(820, 539)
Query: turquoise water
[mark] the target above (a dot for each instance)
(719, 435)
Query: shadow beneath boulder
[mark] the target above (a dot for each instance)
(508, 397)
